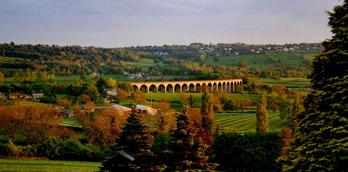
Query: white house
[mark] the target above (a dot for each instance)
(37, 96)
(118, 108)
(146, 110)
(111, 92)
(122, 108)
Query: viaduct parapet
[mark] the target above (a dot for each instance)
(224, 85)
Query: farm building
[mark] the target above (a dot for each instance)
(145, 110)
(118, 108)
(111, 92)
(37, 96)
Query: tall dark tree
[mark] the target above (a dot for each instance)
(102, 85)
(136, 141)
(321, 142)
(207, 112)
(135, 138)
(262, 116)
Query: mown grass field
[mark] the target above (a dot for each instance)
(246, 121)
(72, 122)
(145, 62)
(19, 165)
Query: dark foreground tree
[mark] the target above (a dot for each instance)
(134, 142)
(134, 137)
(321, 139)
(262, 116)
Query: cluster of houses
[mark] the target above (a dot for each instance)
(138, 75)
(256, 49)
(35, 96)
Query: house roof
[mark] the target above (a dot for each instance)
(123, 153)
(120, 107)
(116, 107)
(143, 107)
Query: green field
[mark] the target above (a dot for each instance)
(18, 165)
(287, 82)
(174, 98)
(10, 59)
(246, 122)
(276, 59)
(72, 122)
(145, 62)
(73, 78)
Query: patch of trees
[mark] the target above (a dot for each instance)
(34, 123)
(179, 60)
(67, 59)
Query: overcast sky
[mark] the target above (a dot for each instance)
(116, 23)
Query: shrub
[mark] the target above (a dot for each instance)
(13, 149)
(253, 151)
(50, 148)
(28, 150)
(4, 150)
(92, 153)
(69, 150)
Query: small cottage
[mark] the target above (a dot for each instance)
(147, 110)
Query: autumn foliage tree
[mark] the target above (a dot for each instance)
(262, 116)
(35, 123)
(10, 123)
(207, 112)
(104, 128)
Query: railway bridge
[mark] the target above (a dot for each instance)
(223, 85)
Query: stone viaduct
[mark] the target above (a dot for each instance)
(224, 85)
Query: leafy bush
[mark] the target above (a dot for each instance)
(50, 148)
(4, 150)
(69, 150)
(27, 150)
(93, 153)
(250, 151)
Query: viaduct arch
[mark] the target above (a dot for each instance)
(224, 85)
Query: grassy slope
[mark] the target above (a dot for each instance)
(18, 165)
(266, 60)
(10, 59)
